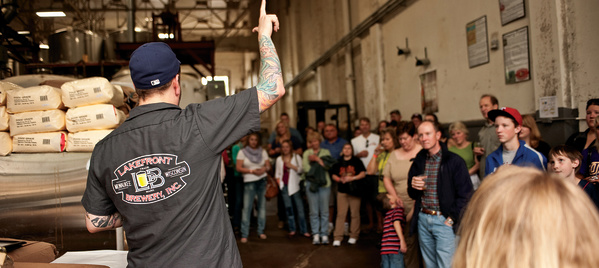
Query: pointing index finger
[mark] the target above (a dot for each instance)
(263, 8)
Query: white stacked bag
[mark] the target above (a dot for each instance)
(92, 111)
(37, 121)
(5, 139)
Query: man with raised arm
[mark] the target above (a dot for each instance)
(158, 173)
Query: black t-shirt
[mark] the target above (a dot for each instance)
(353, 166)
(160, 170)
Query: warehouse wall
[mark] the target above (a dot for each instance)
(561, 40)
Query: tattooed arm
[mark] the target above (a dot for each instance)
(270, 81)
(96, 223)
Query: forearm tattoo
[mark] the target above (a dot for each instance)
(270, 74)
(104, 221)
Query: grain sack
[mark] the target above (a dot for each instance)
(51, 142)
(85, 141)
(29, 99)
(35, 122)
(5, 87)
(3, 119)
(5, 144)
(92, 117)
(88, 91)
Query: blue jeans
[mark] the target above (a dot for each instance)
(319, 209)
(392, 260)
(289, 201)
(437, 240)
(251, 190)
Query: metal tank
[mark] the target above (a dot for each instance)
(73, 45)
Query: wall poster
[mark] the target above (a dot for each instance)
(511, 10)
(477, 42)
(516, 56)
(428, 91)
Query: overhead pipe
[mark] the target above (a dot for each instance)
(387, 8)
(131, 21)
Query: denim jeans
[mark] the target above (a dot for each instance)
(251, 190)
(437, 240)
(289, 201)
(319, 209)
(392, 260)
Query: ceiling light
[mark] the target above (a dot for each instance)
(44, 46)
(23, 32)
(50, 14)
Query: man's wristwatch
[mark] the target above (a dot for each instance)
(449, 221)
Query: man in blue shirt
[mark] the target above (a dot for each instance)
(332, 141)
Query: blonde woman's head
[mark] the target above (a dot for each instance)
(522, 217)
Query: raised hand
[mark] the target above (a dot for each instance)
(267, 22)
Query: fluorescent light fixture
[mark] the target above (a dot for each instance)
(50, 14)
(44, 46)
(23, 32)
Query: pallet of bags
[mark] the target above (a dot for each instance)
(93, 117)
(36, 122)
(50, 142)
(5, 144)
(3, 119)
(88, 91)
(4, 88)
(34, 99)
(85, 141)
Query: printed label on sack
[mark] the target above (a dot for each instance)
(150, 178)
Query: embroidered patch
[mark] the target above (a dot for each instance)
(155, 82)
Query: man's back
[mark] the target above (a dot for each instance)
(160, 170)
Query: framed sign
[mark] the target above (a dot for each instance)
(516, 56)
(511, 10)
(477, 42)
(428, 91)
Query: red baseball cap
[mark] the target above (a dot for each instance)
(507, 112)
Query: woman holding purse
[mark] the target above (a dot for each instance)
(253, 164)
(346, 172)
(288, 167)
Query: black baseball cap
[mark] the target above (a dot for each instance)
(153, 65)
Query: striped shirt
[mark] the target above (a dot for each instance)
(390, 243)
(430, 200)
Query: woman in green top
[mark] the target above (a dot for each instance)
(318, 201)
(464, 148)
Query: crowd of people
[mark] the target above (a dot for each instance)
(414, 180)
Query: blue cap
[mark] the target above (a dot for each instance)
(153, 65)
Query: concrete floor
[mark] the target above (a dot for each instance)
(280, 251)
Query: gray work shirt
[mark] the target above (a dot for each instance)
(160, 170)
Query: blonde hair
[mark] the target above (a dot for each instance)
(522, 217)
(279, 138)
(535, 135)
(314, 136)
(458, 125)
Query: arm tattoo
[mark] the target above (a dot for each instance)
(104, 221)
(270, 74)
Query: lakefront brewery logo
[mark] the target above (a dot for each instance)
(150, 178)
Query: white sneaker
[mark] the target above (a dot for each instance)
(352, 241)
(316, 239)
(336, 243)
(325, 240)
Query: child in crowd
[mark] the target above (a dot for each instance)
(565, 161)
(393, 244)
(508, 124)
